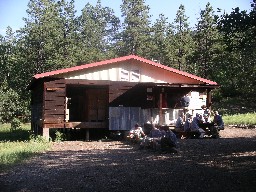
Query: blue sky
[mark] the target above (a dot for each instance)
(12, 11)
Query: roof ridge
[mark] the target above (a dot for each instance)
(119, 59)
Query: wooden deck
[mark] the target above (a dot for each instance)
(88, 125)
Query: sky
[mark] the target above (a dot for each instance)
(12, 11)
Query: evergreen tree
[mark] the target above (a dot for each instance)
(98, 27)
(159, 44)
(135, 35)
(66, 34)
(183, 42)
(238, 67)
(206, 43)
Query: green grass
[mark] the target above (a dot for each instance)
(17, 135)
(18, 145)
(248, 119)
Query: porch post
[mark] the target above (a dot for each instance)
(160, 109)
(87, 136)
(209, 99)
(46, 134)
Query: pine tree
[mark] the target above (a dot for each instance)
(135, 35)
(97, 28)
(183, 42)
(206, 43)
(237, 69)
(66, 34)
(159, 45)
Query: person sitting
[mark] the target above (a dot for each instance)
(163, 132)
(155, 136)
(169, 142)
(136, 133)
(217, 126)
(188, 121)
(206, 118)
(179, 126)
(205, 113)
(218, 121)
(195, 125)
(151, 140)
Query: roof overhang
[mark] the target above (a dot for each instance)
(54, 74)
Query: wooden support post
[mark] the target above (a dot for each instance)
(209, 99)
(46, 134)
(87, 136)
(160, 109)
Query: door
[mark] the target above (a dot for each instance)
(96, 104)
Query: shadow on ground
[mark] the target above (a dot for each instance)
(202, 165)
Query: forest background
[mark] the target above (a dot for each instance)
(220, 48)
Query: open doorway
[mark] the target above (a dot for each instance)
(87, 103)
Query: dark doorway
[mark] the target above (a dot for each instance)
(87, 103)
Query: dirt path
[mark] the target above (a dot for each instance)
(225, 164)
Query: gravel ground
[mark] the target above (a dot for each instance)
(225, 164)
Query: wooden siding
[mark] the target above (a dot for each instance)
(118, 89)
(54, 104)
(113, 72)
(124, 118)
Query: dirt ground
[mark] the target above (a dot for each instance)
(224, 164)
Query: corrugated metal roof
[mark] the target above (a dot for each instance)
(120, 59)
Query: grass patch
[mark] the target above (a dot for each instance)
(18, 145)
(248, 119)
(7, 134)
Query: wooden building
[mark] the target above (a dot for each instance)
(113, 95)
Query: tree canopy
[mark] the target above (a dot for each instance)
(220, 47)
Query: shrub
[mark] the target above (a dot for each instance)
(15, 124)
(10, 103)
(37, 139)
(59, 136)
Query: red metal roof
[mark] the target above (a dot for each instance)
(120, 59)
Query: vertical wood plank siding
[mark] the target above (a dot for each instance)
(54, 104)
(124, 118)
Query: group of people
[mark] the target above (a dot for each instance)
(189, 123)
(157, 139)
(167, 140)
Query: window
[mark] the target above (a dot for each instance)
(132, 76)
(135, 76)
(124, 75)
